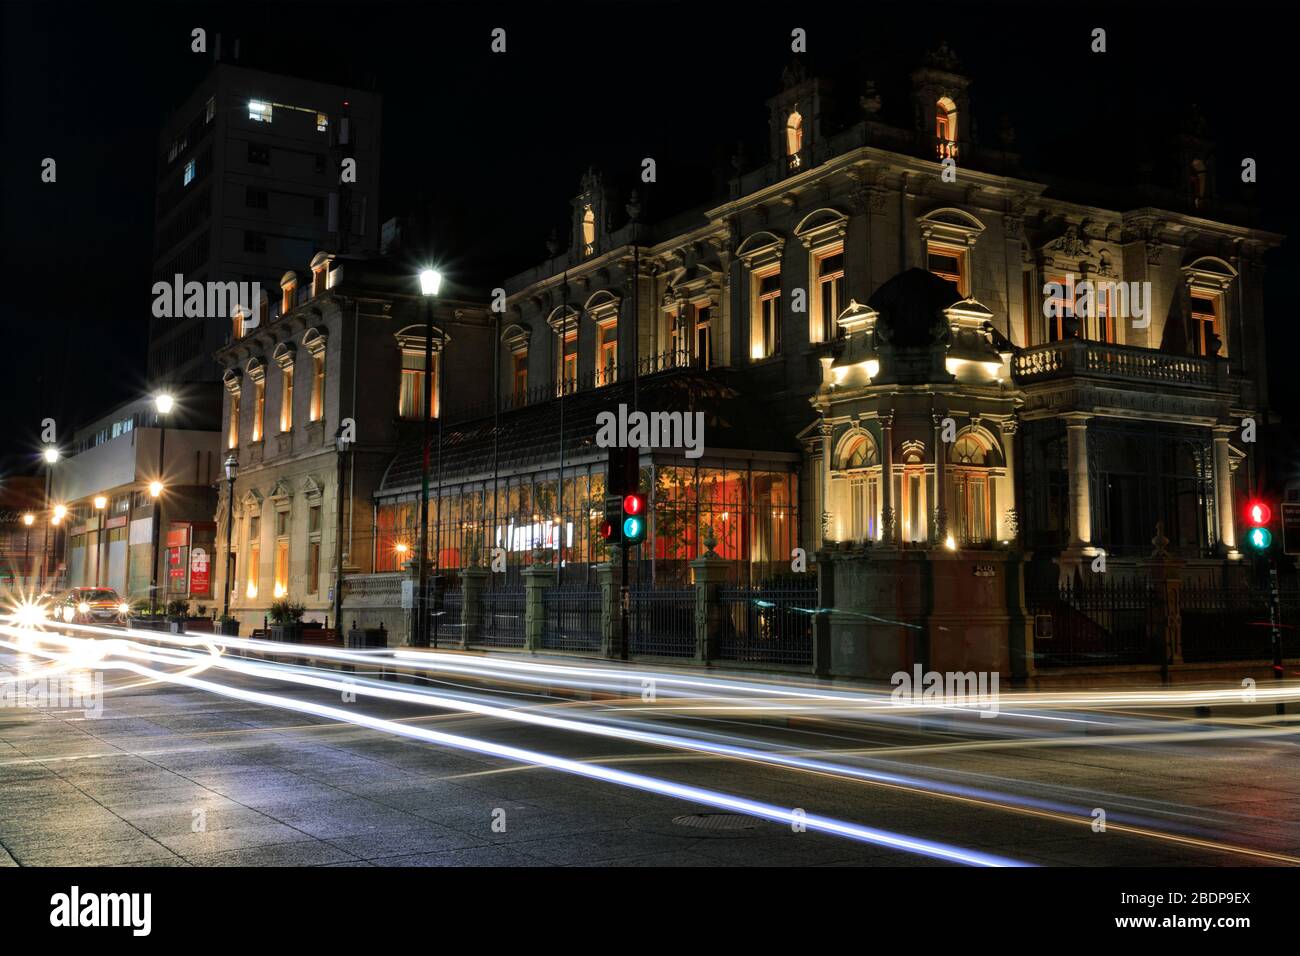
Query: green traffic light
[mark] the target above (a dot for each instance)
(1260, 538)
(632, 529)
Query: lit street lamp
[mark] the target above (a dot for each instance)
(51, 456)
(100, 504)
(430, 282)
(232, 469)
(163, 403)
(28, 519)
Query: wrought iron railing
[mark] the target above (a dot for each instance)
(573, 618)
(663, 621)
(1093, 624)
(504, 611)
(770, 624)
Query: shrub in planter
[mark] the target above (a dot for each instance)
(228, 626)
(286, 620)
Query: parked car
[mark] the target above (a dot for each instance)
(91, 606)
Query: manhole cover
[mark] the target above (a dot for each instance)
(719, 821)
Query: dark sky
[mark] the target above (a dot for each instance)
(493, 146)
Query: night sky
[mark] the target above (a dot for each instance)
(492, 146)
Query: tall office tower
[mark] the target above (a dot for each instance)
(253, 180)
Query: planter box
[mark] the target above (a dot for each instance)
(367, 638)
(286, 633)
(228, 628)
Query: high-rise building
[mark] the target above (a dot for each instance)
(257, 171)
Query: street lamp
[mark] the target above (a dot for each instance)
(51, 456)
(232, 469)
(163, 403)
(430, 283)
(100, 504)
(28, 519)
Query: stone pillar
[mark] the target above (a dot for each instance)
(1009, 522)
(1080, 504)
(1166, 577)
(609, 575)
(473, 582)
(827, 431)
(1223, 502)
(710, 573)
(887, 522)
(537, 578)
(939, 530)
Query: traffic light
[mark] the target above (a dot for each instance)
(1258, 516)
(633, 518)
(611, 527)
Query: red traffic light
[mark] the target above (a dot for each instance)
(633, 504)
(606, 529)
(1258, 513)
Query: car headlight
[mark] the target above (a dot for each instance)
(83, 607)
(124, 608)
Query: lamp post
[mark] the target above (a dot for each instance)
(430, 281)
(342, 444)
(232, 469)
(163, 404)
(51, 456)
(100, 504)
(29, 519)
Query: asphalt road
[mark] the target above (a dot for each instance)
(170, 774)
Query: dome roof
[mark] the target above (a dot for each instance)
(911, 308)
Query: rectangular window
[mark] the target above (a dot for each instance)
(318, 281)
(259, 154)
(254, 555)
(259, 408)
(281, 523)
(313, 519)
(254, 241)
(607, 355)
(410, 400)
(189, 172)
(317, 385)
(830, 293)
(1058, 305)
(232, 435)
(520, 377)
(281, 568)
(286, 398)
(1103, 326)
(259, 112)
(569, 362)
(768, 296)
(322, 122)
(949, 264)
(255, 198)
(703, 339)
(313, 566)
(1205, 324)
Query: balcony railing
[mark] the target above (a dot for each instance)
(1080, 357)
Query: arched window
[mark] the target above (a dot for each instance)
(858, 460)
(945, 128)
(860, 452)
(414, 385)
(971, 489)
(794, 137)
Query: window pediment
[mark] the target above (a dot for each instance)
(822, 227)
(516, 338)
(284, 355)
(950, 226)
(411, 338)
(761, 249)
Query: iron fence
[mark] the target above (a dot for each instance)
(1232, 623)
(503, 617)
(572, 618)
(662, 621)
(1109, 622)
(769, 624)
(447, 622)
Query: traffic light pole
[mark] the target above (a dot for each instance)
(624, 603)
(1273, 620)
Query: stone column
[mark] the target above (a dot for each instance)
(887, 481)
(827, 431)
(1223, 502)
(473, 582)
(537, 578)
(1010, 524)
(939, 531)
(609, 575)
(1080, 503)
(710, 573)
